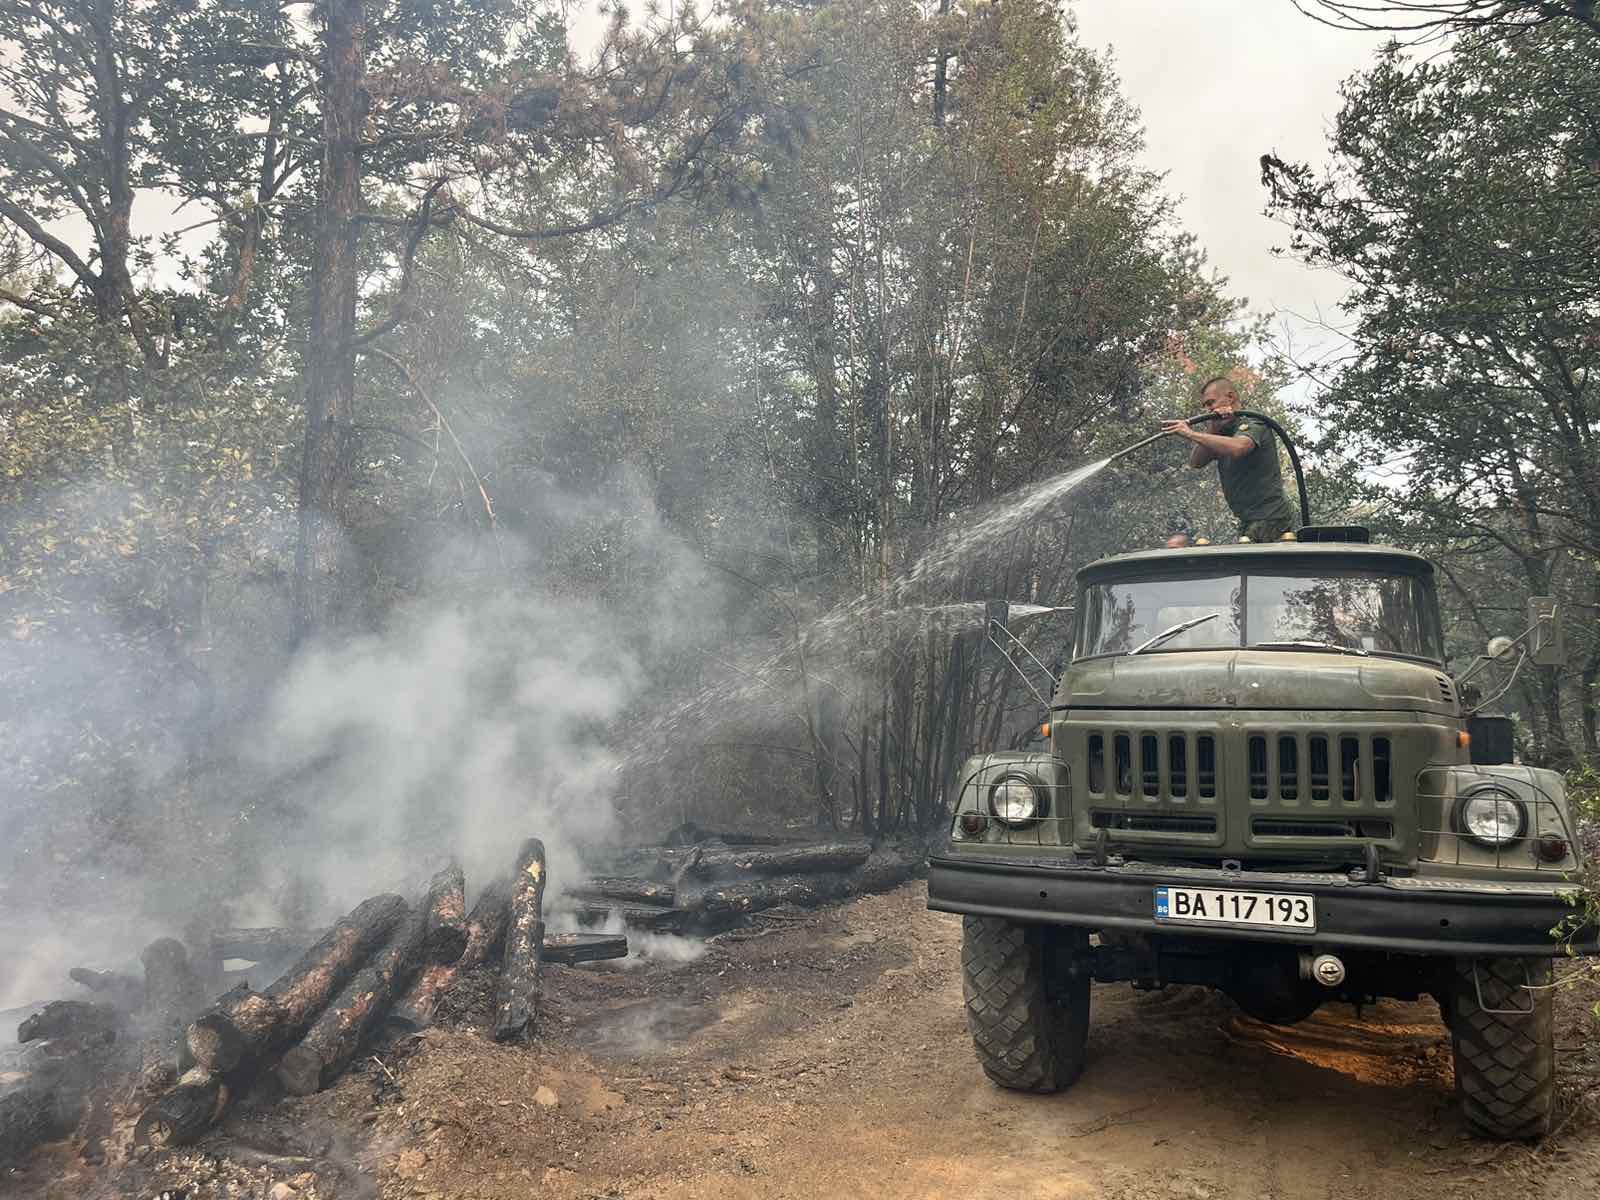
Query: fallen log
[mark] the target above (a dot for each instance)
(787, 860)
(123, 992)
(268, 944)
(720, 903)
(572, 948)
(182, 1114)
(304, 989)
(485, 929)
(445, 909)
(245, 1024)
(69, 1018)
(517, 1007)
(486, 925)
(883, 870)
(333, 1039)
(638, 891)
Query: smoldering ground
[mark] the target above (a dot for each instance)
(487, 708)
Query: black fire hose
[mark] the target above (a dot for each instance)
(1288, 442)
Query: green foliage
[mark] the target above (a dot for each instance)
(1462, 201)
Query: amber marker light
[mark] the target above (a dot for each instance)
(1044, 730)
(1463, 739)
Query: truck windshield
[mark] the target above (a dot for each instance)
(1356, 611)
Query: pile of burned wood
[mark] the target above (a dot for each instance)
(386, 964)
(703, 882)
(384, 968)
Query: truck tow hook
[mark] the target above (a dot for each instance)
(1326, 969)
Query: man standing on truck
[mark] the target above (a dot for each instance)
(1246, 454)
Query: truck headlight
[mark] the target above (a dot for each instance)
(1015, 800)
(1491, 816)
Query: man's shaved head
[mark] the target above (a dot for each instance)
(1227, 386)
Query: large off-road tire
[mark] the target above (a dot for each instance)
(1505, 1045)
(1027, 1038)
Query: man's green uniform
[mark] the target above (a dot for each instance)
(1253, 485)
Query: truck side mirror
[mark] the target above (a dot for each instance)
(1547, 646)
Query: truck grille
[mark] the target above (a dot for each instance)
(1320, 768)
(1177, 767)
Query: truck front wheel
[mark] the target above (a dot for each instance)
(1502, 1027)
(1027, 1008)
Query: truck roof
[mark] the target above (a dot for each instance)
(1314, 556)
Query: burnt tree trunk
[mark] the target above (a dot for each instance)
(69, 1018)
(485, 929)
(184, 1113)
(445, 913)
(789, 860)
(304, 989)
(639, 891)
(584, 947)
(320, 581)
(173, 994)
(336, 1035)
(486, 925)
(245, 1024)
(517, 1010)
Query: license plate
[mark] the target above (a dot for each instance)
(1252, 910)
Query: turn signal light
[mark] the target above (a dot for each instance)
(1552, 847)
(1463, 739)
(973, 823)
(1044, 730)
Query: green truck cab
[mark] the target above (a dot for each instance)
(1259, 777)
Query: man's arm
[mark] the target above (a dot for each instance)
(1209, 446)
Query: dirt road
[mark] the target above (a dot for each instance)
(825, 1055)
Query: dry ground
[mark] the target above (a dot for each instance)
(825, 1055)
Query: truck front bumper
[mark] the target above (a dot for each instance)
(1402, 914)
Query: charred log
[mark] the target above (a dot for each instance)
(637, 891)
(302, 991)
(244, 1025)
(583, 947)
(445, 910)
(185, 1112)
(883, 870)
(69, 1018)
(123, 992)
(486, 925)
(517, 1007)
(788, 860)
(485, 929)
(719, 904)
(336, 1035)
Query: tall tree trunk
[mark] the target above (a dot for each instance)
(330, 367)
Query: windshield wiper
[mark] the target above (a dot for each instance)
(1312, 645)
(1173, 632)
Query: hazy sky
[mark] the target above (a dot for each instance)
(1220, 82)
